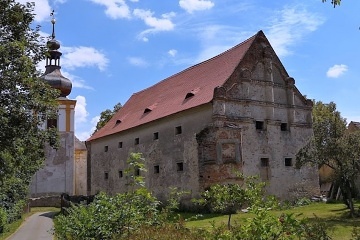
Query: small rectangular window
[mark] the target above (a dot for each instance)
(106, 175)
(120, 144)
(156, 169)
(51, 123)
(180, 167)
(264, 162)
(106, 148)
(259, 125)
(284, 127)
(156, 136)
(137, 172)
(120, 174)
(178, 130)
(137, 141)
(288, 162)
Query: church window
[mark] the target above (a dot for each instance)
(284, 127)
(51, 123)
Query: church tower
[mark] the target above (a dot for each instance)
(58, 173)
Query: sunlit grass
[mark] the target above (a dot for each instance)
(11, 228)
(335, 215)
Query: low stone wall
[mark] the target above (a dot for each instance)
(49, 201)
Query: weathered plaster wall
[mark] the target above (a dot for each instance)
(80, 168)
(57, 175)
(165, 153)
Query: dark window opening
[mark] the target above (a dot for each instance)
(106, 148)
(118, 121)
(137, 141)
(156, 169)
(120, 174)
(178, 130)
(120, 144)
(288, 162)
(156, 135)
(147, 110)
(264, 162)
(106, 175)
(51, 123)
(189, 95)
(259, 125)
(137, 172)
(284, 127)
(180, 167)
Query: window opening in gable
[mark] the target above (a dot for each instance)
(178, 130)
(137, 141)
(156, 169)
(118, 121)
(120, 144)
(156, 136)
(259, 125)
(106, 148)
(288, 162)
(284, 127)
(180, 166)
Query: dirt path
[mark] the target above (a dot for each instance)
(36, 227)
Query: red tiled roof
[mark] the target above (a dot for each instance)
(167, 97)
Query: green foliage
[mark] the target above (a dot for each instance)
(334, 148)
(3, 220)
(25, 103)
(334, 2)
(106, 115)
(108, 217)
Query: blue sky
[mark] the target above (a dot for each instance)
(113, 48)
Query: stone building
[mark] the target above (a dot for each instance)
(239, 111)
(58, 173)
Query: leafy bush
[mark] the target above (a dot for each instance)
(108, 216)
(3, 220)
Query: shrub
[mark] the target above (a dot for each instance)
(3, 220)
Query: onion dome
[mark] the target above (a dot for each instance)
(53, 74)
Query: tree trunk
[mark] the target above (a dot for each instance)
(229, 225)
(348, 198)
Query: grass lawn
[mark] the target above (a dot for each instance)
(15, 225)
(335, 215)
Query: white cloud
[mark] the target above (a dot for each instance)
(172, 52)
(84, 135)
(145, 39)
(42, 9)
(155, 24)
(195, 5)
(336, 71)
(80, 110)
(115, 8)
(289, 26)
(75, 57)
(136, 61)
(77, 82)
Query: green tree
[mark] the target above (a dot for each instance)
(106, 115)
(334, 2)
(25, 101)
(334, 147)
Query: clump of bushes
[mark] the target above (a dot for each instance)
(3, 220)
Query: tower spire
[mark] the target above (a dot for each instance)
(53, 74)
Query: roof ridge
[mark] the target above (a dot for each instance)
(200, 63)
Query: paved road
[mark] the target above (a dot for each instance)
(36, 227)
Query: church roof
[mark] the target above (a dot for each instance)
(187, 89)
